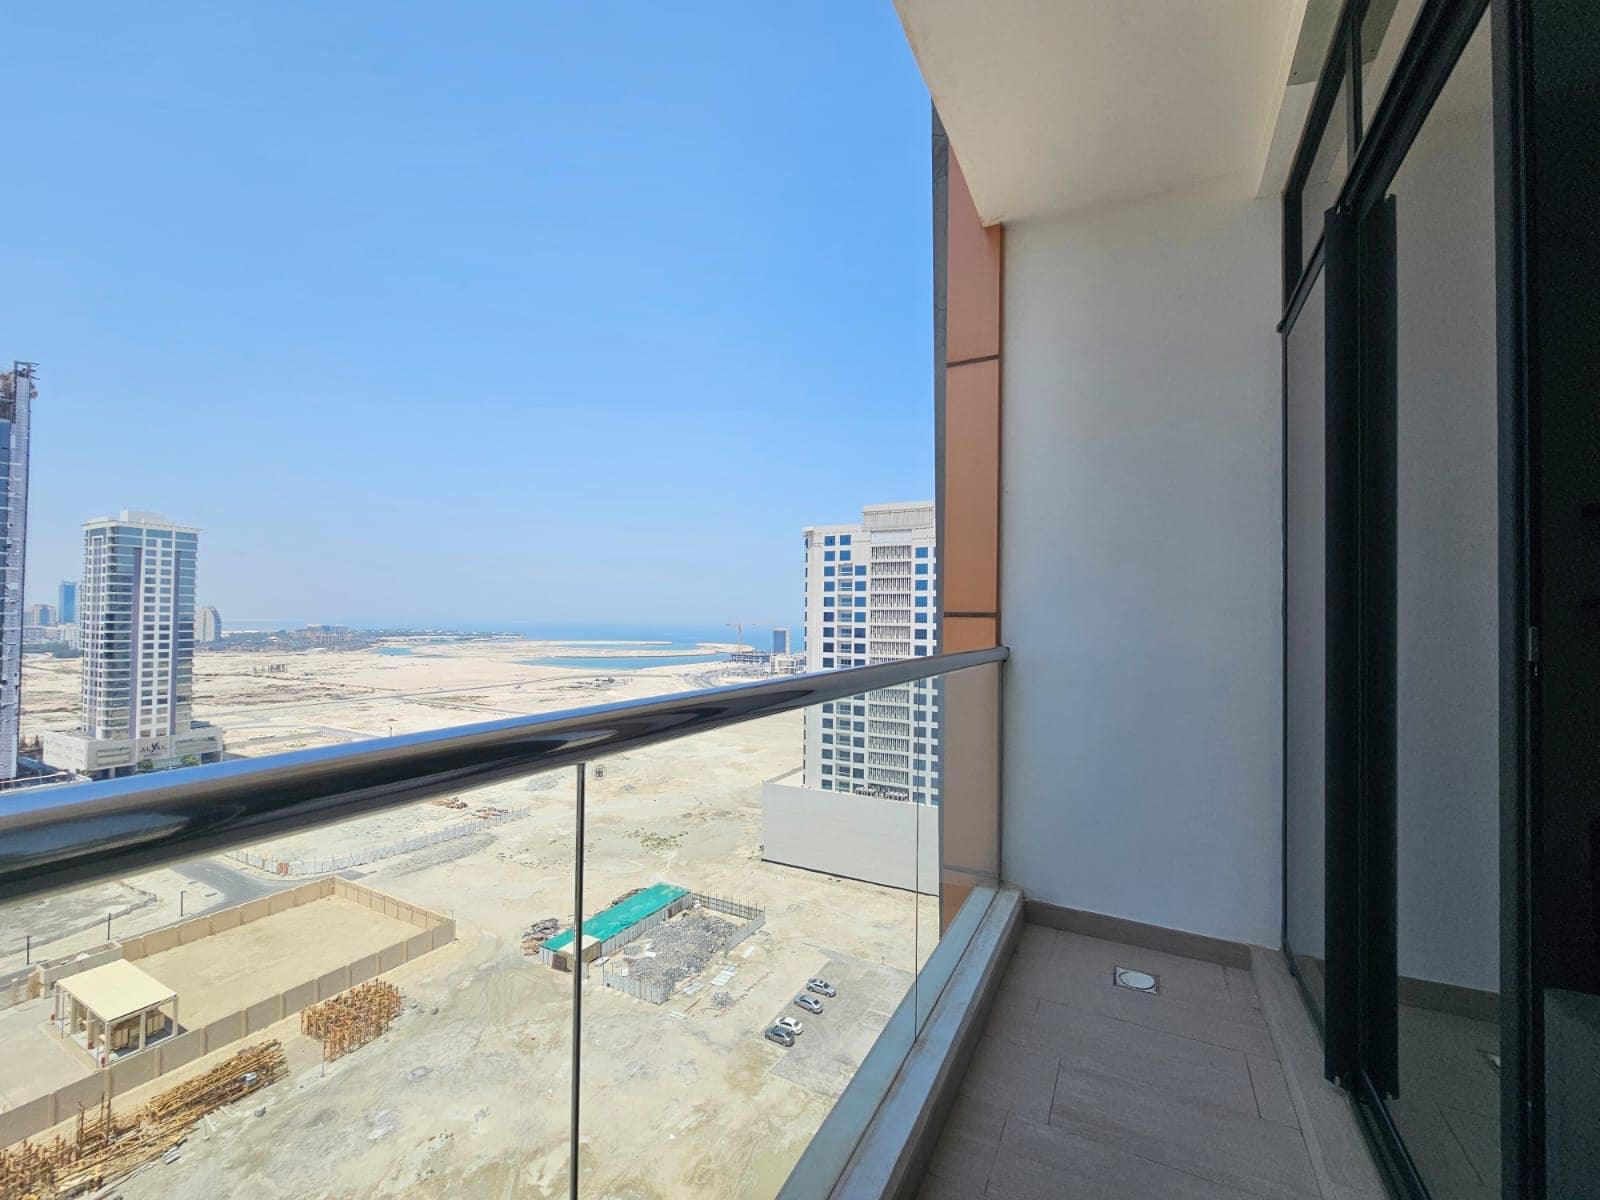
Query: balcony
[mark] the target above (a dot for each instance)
(698, 932)
(1210, 1085)
(1260, 862)
(1210, 1081)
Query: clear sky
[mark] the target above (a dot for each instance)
(497, 312)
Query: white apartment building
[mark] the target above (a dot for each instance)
(17, 393)
(137, 621)
(871, 598)
(866, 803)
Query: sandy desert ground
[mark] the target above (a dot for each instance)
(467, 1095)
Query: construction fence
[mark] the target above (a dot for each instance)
(371, 854)
(168, 1054)
(655, 993)
(562, 959)
(751, 917)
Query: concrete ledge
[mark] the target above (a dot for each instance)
(888, 1132)
(1136, 933)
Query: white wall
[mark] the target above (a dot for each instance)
(1141, 569)
(891, 842)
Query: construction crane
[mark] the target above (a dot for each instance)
(738, 631)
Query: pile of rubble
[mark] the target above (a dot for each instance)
(540, 931)
(679, 949)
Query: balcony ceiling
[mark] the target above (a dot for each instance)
(1056, 105)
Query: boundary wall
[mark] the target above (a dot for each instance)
(433, 930)
(274, 865)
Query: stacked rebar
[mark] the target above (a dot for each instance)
(351, 1019)
(105, 1146)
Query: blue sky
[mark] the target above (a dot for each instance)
(510, 312)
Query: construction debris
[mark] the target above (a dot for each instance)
(351, 1019)
(106, 1147)
(628, 895)
(539, 932)
(679, 949)
(454, 802)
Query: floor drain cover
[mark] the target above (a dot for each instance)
(1135, 981)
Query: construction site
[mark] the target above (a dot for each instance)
(651, 941)
(457, 1083)
(109, 1020)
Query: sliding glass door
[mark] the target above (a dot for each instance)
(1436, 218)
(1442, 588)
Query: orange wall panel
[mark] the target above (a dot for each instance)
(972, 316)
(970, 557)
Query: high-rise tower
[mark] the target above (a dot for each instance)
(17, 393)
(136, 615)
(870, 598)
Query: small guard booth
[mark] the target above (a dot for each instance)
(114, 1010)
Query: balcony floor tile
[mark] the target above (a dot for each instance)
(1082, 1090)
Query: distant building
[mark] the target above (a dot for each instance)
(50, 635)
(780, 641)
(870, 599)
(137, 617)
(67, 602)
(870, 763)
(17, 394)
(328, 635)
(207, 626)
(40, 614)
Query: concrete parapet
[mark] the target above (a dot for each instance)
(175, 1052)
(224, 1030)
(130, 1072)
(299, 996)
(391, 957)
(263, 1013)
(27, 1119)
(333, 983)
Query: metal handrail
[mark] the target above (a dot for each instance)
(55, 838)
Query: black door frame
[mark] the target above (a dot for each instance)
(1356, 253)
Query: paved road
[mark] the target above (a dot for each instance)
(232, 886)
